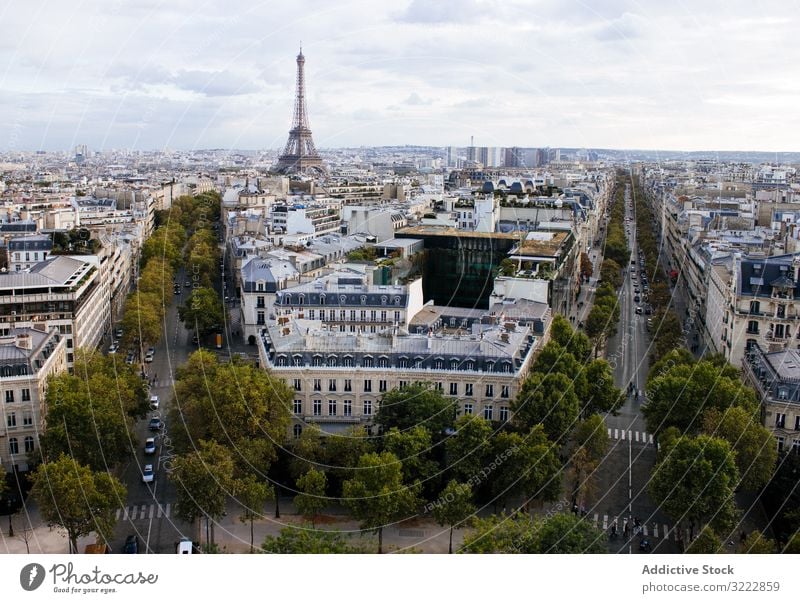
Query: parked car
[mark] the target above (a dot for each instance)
(184, 546)
(118, 333)
(150, 446)
(636, 298)
(147, 474)
(156, 424)
(148, 357)
(154, 402)
(131, 544)
(638, 310)
(187, 284)
(129, 358)
(113, 349)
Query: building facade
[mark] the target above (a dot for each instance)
(28, 356)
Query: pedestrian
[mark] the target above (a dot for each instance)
(625, 529)
(583, 511)
(575, 508)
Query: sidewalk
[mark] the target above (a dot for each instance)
(40, 539)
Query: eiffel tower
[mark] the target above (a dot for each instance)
(300, 154)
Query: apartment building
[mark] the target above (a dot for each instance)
(339, 377)
(28, 356)
(26, 251)
(63, 292)
(776, 378)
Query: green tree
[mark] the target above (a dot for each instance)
(678, 356)
(342, 453)
(587, 269)
(307, 452)
(142, 318)
(706, 543)
(679, 396)
(793, 545)
(377, 496)
(753, 444)
(589, 444)
(611, 272)
(561, 533)
(202, 480)
(251, 493)
(453, 507)
(302, 540)
(574, 342)
(524, 465)
(413, 447)
(244, 408)
(508, 267)
(694, 478)
(467, 449)
(669, 331)
(601, 393)
(417, 404)
(311, 499)
(90, 412)
(549, 400)
(203, 311)
(757, 544)
(78, 499)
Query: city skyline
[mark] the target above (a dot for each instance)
(532, 74)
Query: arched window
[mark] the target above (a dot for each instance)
(332, 361)
(343, 300)
(383, 299)
(297, 360)
(469, 365)
(301, 299)
(454, 365)
(281, 360)
(368, 362)
(397, 301)
(317, 361)
(363, 300)
(418, 362)
(383, 362)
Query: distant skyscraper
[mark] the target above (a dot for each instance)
(300, 154)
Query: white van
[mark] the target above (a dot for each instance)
(183, 547)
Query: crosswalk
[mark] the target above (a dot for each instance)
(637, 437)
(152, 511)
(652, 530)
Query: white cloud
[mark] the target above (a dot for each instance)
(618, 74)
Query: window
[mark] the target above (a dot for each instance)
(282, 361)
(454, 389)
(367, 385)
(11, 419)
(467, 408)
(347, 408)
(797, 423)
(403, 363)
(401, 384)
(331, 408)
(297, 430)
(312, 314)
(418, 362)
(490, 367)
(504, 414)
(383, 315)
(367, 408)
(363, 316)
(755, 307)
(397, 316)
(26, 395)
(348, 360)
(779, 439)
(783, 393)
(752, 327)
(297, 360)
(317, 408)
(382, 386)
(331, 385)
(454, 365)
(488, 411)
(468, 389)
(297, 407)
(27, 419)
(780, 420)
(383, 362)
(342, 314)
(489, 390)
(13, 446)
(352, 314)
(506, 367)
(504, 392)
(260, 318)
(317, 385)
(368, 362)
(439, 386)
(781, 313)
(260, 302)
(322, 314)
(332, 361)
(316, 361)
(438, 363)
(373, 315)
(259, 286)
(469, 365)
(796, 446)
(348, 385)
(9, 396)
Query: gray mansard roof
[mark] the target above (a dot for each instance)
(344, 289)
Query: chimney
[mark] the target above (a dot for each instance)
(24, 341)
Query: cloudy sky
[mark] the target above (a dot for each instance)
(154, 74)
